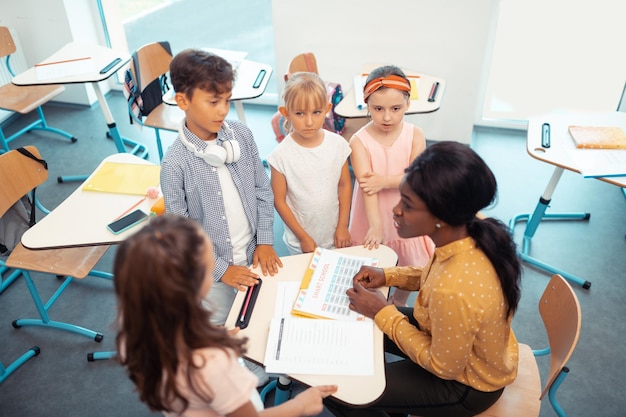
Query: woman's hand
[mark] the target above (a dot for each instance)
(370, 277)
(365, 301)
(364, 298)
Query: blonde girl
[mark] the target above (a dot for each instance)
(310, 174)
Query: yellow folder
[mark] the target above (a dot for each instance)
(123, 178)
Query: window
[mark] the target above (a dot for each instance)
(239, 25)
(556, 56)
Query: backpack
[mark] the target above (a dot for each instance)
(141, 103)
(19, 217)
(333, 122)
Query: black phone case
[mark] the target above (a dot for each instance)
(242, 322)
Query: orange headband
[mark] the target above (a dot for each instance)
(390, 81)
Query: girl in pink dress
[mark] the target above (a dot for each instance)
(381, 150)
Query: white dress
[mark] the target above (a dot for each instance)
(312, 176)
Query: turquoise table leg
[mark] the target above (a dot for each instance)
(532, 223)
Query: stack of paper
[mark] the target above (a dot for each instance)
(303, 338)
(320, 347)
(323, 289)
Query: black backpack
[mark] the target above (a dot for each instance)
(141, 103)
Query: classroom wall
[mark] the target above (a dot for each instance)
(449, 39)
(44, 27)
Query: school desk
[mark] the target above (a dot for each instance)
(81, 219)
(102, 64)
(558, 153)
(357, 390)
(430, 92)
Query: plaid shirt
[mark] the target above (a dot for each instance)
(191, 188)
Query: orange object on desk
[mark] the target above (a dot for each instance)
(158, 207)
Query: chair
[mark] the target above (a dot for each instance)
(304, 62)
(23, 100)
(561, 315)
(151, 64)
(19, 175)
(6, 371)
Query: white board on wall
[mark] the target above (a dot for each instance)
(448, 39)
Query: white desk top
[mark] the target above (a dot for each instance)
(81, 219)
(561, 142)
(100, 55)
(246, 75)
(348, 107)
(357, 390)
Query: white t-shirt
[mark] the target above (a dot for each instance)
(238, 224)
(229, 381)
(312, 176)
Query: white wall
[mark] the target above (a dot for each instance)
(449, 39)
(556, 56)
(43, 27)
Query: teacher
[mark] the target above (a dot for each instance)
(456, 346)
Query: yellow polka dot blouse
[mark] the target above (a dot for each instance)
(464, 333)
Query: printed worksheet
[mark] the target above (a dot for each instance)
(323, 290)
(320, 347)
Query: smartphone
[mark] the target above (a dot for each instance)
(127, 221)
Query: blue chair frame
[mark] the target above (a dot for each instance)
(43, 94)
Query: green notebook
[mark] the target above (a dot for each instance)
(122, 178)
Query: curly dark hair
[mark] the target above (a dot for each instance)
(159, 272)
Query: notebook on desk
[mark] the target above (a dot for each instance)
(123, 178)
(598, 137)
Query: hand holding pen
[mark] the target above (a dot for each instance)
(370, 277)
(366, 301)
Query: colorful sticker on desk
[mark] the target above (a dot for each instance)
(323, 290)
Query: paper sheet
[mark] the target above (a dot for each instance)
(323, 290)
(59, 69)
(286, 293)
(358, 84)
(594, 163)
(320, 347)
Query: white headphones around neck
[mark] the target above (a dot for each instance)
(214, 154)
